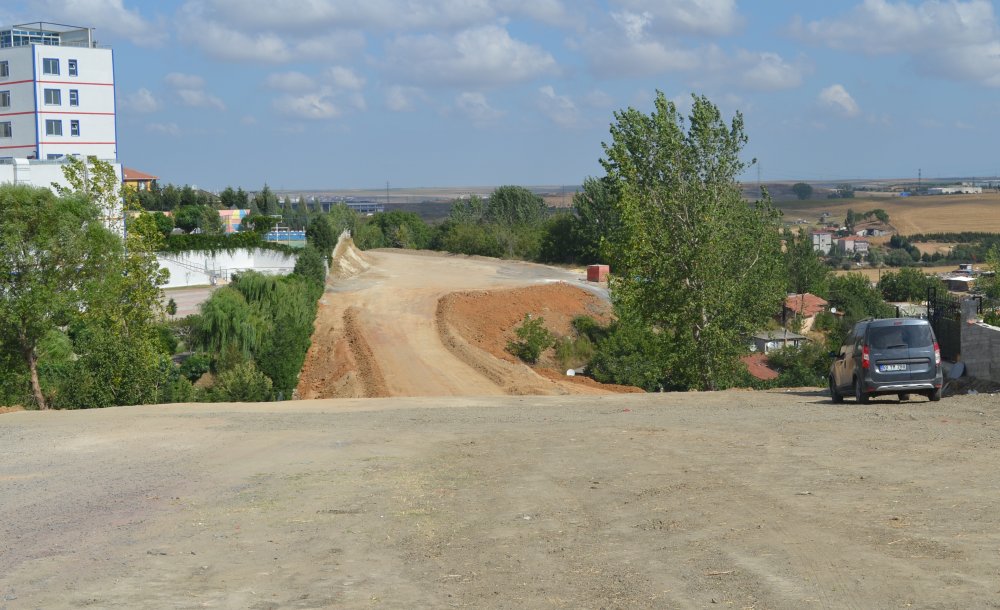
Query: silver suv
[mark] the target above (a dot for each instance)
(891, 356)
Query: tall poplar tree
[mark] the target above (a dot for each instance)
(698, 265)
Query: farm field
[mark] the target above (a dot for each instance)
(910, 215)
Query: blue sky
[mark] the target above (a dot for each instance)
(314, 94)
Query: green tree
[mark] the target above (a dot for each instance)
(514, 205)
(598, 221)
(321, 235)
(98, 181)
(907, 284)
(311, 265)
(467, 211)
(403, 229)
(52, 254)
(806, 271)
(854, 295)
(266, 201)
(850, 220)
(258, 224)
(699, 265)
(164, 223)
(802, 190)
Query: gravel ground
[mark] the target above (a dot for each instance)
(734, 499)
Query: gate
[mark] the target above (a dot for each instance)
(945, 314)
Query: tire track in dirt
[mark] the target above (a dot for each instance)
(368, 371)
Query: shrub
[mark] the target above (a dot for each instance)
(310, 265)
(574, 352)
(196, 365)
(534, 339)
(242, 383)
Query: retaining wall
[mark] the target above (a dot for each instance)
(210, 268)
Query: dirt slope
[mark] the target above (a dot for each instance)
(390, 325)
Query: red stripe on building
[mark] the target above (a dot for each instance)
(21, 146)
(73, 82)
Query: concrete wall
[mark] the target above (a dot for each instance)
(980, 344)
(981, 351)
(209, 268)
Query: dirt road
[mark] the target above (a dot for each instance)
(729, 500)
(378, 332)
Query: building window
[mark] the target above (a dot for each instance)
(4, 99)
(50, 65)
(53, 127)
(54, 157)
(74, 97)
(74, 128)
(53, 97)
(4, 69)
(5, 131)
(71, 67)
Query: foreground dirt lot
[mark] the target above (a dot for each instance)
(738, 500)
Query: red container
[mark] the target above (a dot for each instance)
(597, 273)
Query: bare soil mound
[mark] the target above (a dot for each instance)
(348, 260)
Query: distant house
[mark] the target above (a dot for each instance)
(804, 307)
(848, 245)
(822, 242)
(770, 340)
(141, 181)
(757, 366)
(960, 283)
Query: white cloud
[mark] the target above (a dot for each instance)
(170, 129)
(399, 98)
(179, 80)
(476, 107)
(766, 71)
(313, 106)
(106, 16)
(956, 40)
(290, 81)
(196, 98)
(599, 99)
(330, 47)
(189, 88)
(142, 101)
(708, 17)
(484, 56)
(836, 98)
(559, 108)
(344, 78)
(398, 15)
(627, 47)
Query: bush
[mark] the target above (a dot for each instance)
(195, 365)
(806, 365)
(534, 339)
(633, 355)
(310, 265)
(242, 383)
(574, 352)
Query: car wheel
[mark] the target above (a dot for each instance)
(935, 395)
(903, 397)
(860, 396)
(835, 396)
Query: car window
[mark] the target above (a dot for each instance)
(889, 337)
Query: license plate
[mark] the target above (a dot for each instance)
(892, 367)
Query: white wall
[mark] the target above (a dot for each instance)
(208, 268)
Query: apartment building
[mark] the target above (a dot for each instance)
(57, 93)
